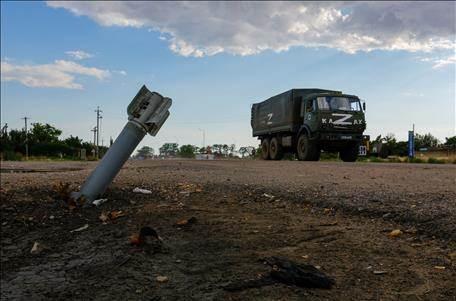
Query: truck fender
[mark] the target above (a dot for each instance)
(304, 129)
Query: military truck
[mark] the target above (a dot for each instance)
(306, 121)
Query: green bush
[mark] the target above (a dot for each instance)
(12, 156)
(416, 160)
(435, 161)
(375, 159)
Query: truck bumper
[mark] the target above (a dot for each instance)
(341, 137)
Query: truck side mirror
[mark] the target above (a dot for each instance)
(364, 106)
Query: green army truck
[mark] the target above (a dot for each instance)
(306, 121)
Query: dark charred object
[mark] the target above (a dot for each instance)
(292, 273)
(287, 272)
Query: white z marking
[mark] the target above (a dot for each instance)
(269, 118)
(341, 121)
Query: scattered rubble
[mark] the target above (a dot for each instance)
(161, 279)
(140, 190)
(37, 248)
(395, 233)
(186, 222)
(80, 228)
(99, 202)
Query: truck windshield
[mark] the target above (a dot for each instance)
(334, 103)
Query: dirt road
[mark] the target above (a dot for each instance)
(336, 216)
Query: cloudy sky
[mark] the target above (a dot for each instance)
(60, 60)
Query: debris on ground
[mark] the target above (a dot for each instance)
(62, 191)
(140, 190)
(439, 267)
(104, 217)
(110, 216)
(269, 196)
(379, 272)
(287, 272)
(140, 239)
(395, 233)
(37, 248)
(80, 228)
(188, 188)
(186, 222)
(99, 202)
(161, 279)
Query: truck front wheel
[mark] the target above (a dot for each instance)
(275, 149)
(265, 149)
(307, 150)
(349, 154)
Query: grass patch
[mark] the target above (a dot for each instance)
(416, 160)
(432, 160)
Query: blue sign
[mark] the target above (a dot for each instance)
(411, 144)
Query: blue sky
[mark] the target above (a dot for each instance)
(62, 60)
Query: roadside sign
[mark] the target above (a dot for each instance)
(411, 144)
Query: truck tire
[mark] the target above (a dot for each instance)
(306, 149)
(275, 149)
(265, 149)
(349, 154)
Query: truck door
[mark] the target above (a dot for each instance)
(310, 114)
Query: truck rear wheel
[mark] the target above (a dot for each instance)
(265, 149)
(349, 154)
(306, 149)
(275, 149)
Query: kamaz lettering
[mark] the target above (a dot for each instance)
(342, 121)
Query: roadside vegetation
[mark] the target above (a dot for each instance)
(45, 143)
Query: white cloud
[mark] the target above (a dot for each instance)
(59, 74)
(79, 54)
(245, 28)
(439, 62)
(121, 72)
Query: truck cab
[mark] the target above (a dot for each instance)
(331, 122)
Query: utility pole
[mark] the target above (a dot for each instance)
(94, 130)
(26, 137)
(98, 111)
(204, 137)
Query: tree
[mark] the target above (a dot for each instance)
(169, 149)
(187, 151)
(225, 148)
(145, 152)
(202, 150)
(247, 150)
(425, 141)
(217, 148)
(450, 141)
(73, 142)
(44, 133)
(243, 151)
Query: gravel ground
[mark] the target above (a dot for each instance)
(337, 216)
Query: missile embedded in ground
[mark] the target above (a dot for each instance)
(146, 114)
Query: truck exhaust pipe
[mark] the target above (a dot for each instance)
(146, 114)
